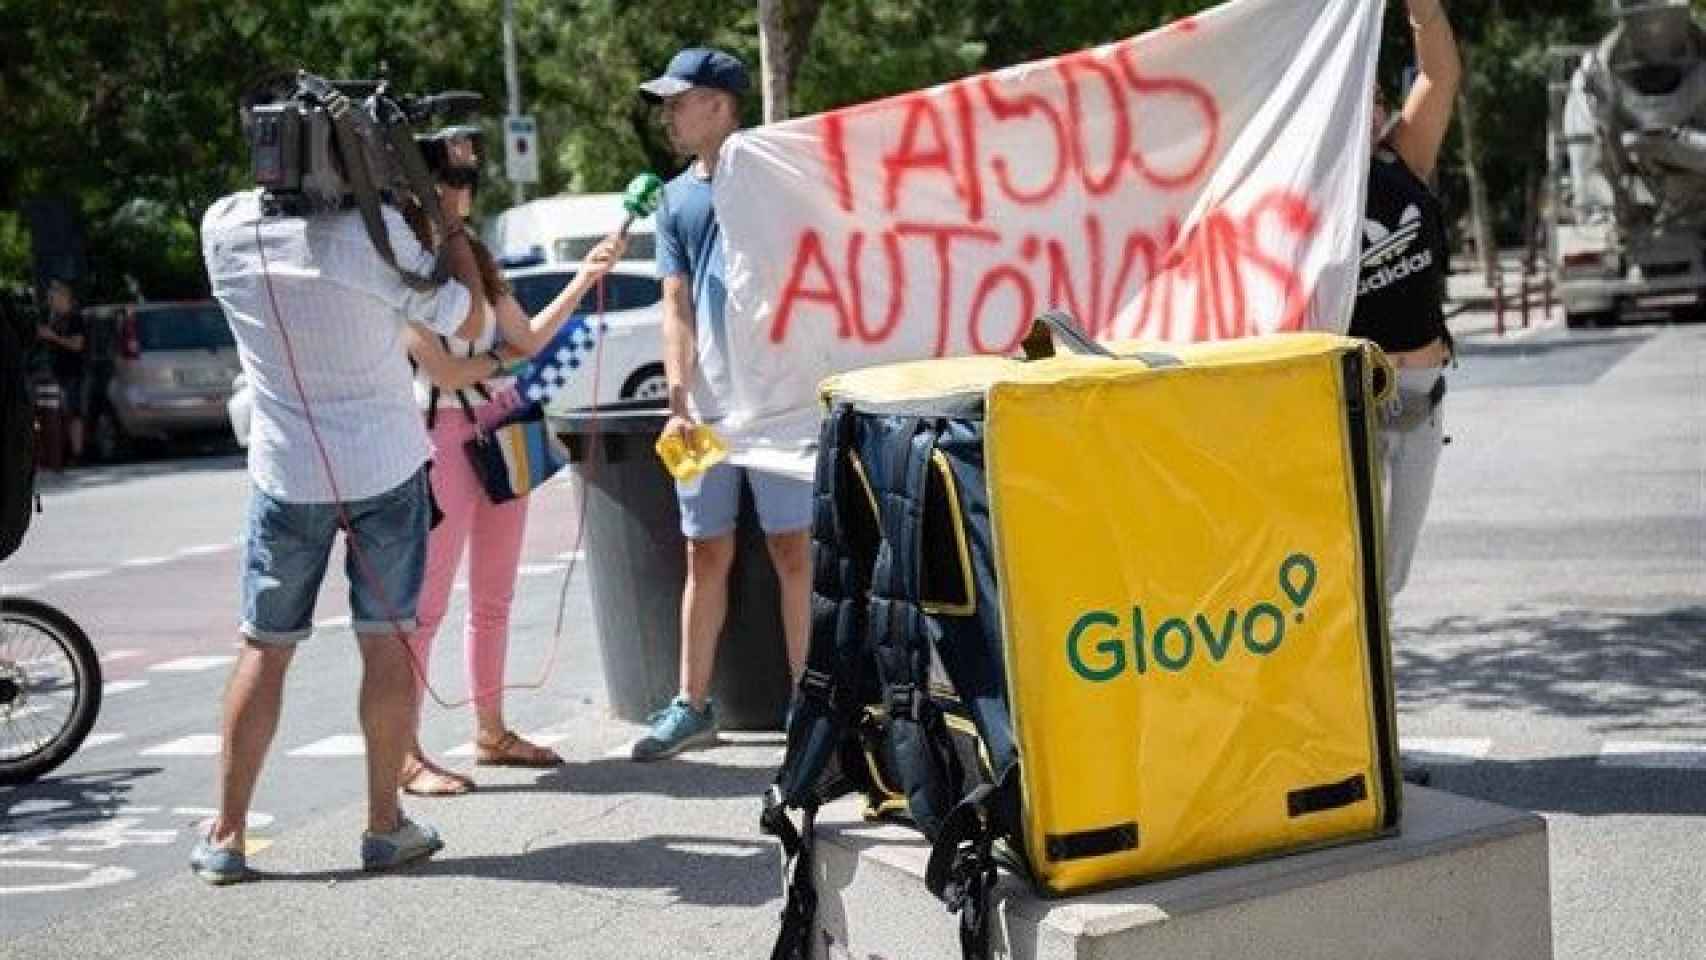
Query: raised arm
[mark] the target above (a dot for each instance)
(1426, 116)
(528, 335)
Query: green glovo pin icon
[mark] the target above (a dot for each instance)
(1297, 579)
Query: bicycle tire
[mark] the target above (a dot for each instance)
(86, 703)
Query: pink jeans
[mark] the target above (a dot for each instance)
(492, 533)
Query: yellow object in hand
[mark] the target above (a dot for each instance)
(688, 460)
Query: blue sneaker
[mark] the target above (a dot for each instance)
(675, 728)
(217, 865)
(407, 844)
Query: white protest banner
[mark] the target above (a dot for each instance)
(1202, 181)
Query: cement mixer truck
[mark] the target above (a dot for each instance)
(1627, 154)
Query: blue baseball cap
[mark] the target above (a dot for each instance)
(697, 67)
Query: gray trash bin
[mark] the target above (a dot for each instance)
(637, 560)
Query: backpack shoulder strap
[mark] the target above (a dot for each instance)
(900, 630)
(828, 693)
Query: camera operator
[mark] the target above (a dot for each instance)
(337, 443)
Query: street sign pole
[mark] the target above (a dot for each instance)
(513, 81)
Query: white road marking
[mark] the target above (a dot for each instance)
(114, 655)
(256, 819)
(206, 549)
(331, 623)
(1446, 749)
(196, 745)
(540, 569)
(94, 740)
(67, 575)
(121, 686)
(91, 876)
(1653, 754)
(342, 745)
(12, 590)
(146, 561)
(191, 664)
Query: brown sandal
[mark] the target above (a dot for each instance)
(509, 750)
(422, 778)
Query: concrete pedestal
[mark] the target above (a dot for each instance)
(1462, 879)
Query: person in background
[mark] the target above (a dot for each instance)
(461, 387)
(699, 96)
(1400, 291)
(65, 338)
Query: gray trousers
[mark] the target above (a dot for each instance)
(1410, 442)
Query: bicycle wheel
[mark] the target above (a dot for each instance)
(50, 688)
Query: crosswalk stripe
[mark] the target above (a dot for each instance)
(1653, 754)
(121, 686)
(68, 575)
(341, 745)
(1447, 749)
(540, 569)
(191, 664)
(196, 745)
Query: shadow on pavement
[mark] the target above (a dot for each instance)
(1634, 671)
(672, 778)
(1579, 785)
(714, 872)
(60, 802)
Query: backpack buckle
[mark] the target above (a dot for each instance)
(905, 700)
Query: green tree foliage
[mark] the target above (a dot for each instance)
(129, 106)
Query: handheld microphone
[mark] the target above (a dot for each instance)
(641, 199)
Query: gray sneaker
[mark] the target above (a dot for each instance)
(408, 843)
(217, 865)
(675, 728)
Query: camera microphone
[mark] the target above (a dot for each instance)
(447, 102)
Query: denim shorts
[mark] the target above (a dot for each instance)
(287, 545)
(784, 504)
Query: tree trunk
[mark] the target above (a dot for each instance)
(1485, 246)
(784, 34)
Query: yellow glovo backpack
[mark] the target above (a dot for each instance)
(1152, 582)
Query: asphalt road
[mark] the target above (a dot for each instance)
(1549, 647)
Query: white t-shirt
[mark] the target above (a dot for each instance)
(457, 347)
(338, 327)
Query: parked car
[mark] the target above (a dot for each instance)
(630, 352)
(161, 370)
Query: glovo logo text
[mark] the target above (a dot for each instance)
(1101, 646)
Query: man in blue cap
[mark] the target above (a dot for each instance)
(699, 95)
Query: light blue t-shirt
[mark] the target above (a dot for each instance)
(690, 244)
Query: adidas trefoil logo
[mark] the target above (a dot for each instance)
(1381, 245)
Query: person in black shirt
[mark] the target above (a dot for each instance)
(1402, 280)
(65, 337)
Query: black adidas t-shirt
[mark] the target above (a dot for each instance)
(1404, 259)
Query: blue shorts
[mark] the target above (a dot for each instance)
(287, 545)
(784, 504)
